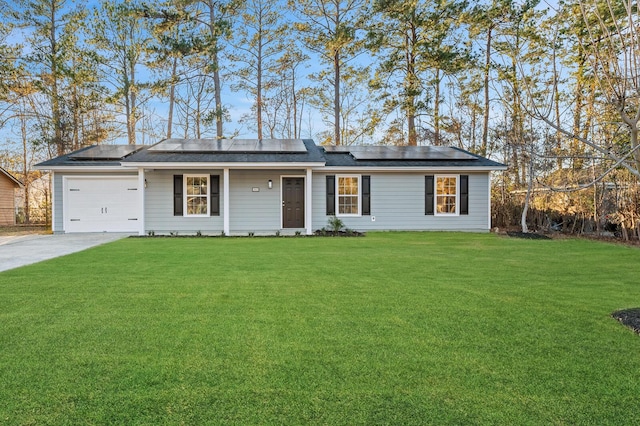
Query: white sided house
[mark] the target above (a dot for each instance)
(241, 187)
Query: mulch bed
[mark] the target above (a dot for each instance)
(348, 233)
(629, 317)
(528, 235)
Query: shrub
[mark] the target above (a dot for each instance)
(335, 224)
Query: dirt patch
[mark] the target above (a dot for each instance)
(16, 230)
(629, 317)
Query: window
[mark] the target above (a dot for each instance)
(348, 191)
(359, 200)
(446, 195)
(196, 190)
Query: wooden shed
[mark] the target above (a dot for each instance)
(8, 186)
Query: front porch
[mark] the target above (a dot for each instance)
(247, 201)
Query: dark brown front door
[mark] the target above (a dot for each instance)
(293, 202)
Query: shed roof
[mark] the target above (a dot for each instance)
(11, 177)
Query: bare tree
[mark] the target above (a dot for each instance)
(611, 47)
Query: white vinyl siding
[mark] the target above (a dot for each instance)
(253, 206)
(398, 203)
(258, 211)
(159, 216)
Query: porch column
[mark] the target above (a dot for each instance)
(52, 191)
(489, 203)
(225, 205)
(308, 211)
(141, 191)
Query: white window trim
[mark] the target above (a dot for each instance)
(435, 195)
(359, 177)
(184, 195)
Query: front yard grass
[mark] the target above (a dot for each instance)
(393, 328)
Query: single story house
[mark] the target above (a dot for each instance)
(8, 186)
(244, 186)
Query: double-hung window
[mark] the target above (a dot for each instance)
(446, 195)
(196, 190)
(348, 195)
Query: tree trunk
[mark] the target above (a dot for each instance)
(576, 162)
(215, 63)
(485, 119)
(56, 114)
(412, 83)
(217, 87)
(436, 110)
(131, 119)
(411, 124)
(294, 97)
(172, 96)
(336, 97)
(259, 91)
(25, 165)
(525, 210)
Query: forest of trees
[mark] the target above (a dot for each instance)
(549, 88)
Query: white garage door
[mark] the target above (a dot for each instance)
(101, 204)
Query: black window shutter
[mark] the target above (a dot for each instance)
(214, 181)
(428, 195)
(331, 195)
(177, 195)
(464, 194)
(366, 195)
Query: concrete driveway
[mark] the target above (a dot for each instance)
(22, 250)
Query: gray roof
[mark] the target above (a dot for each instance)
(459, 158)
(310, 154)
(94, 155)
(202, 151)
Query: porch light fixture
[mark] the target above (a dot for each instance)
(145, 183)
(270, 184)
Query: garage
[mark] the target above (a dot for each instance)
(101, 204)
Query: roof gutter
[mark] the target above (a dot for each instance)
(414, 169)
(80, 168)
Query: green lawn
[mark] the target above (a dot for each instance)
(393, 328)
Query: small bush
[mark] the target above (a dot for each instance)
(335, 224)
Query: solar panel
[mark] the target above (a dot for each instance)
(230, 145)
(387, 152)
(291, 145)
(339, 148)
(106, 152)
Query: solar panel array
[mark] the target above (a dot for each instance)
(386, 152)
(106, 152)
(230, 145)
